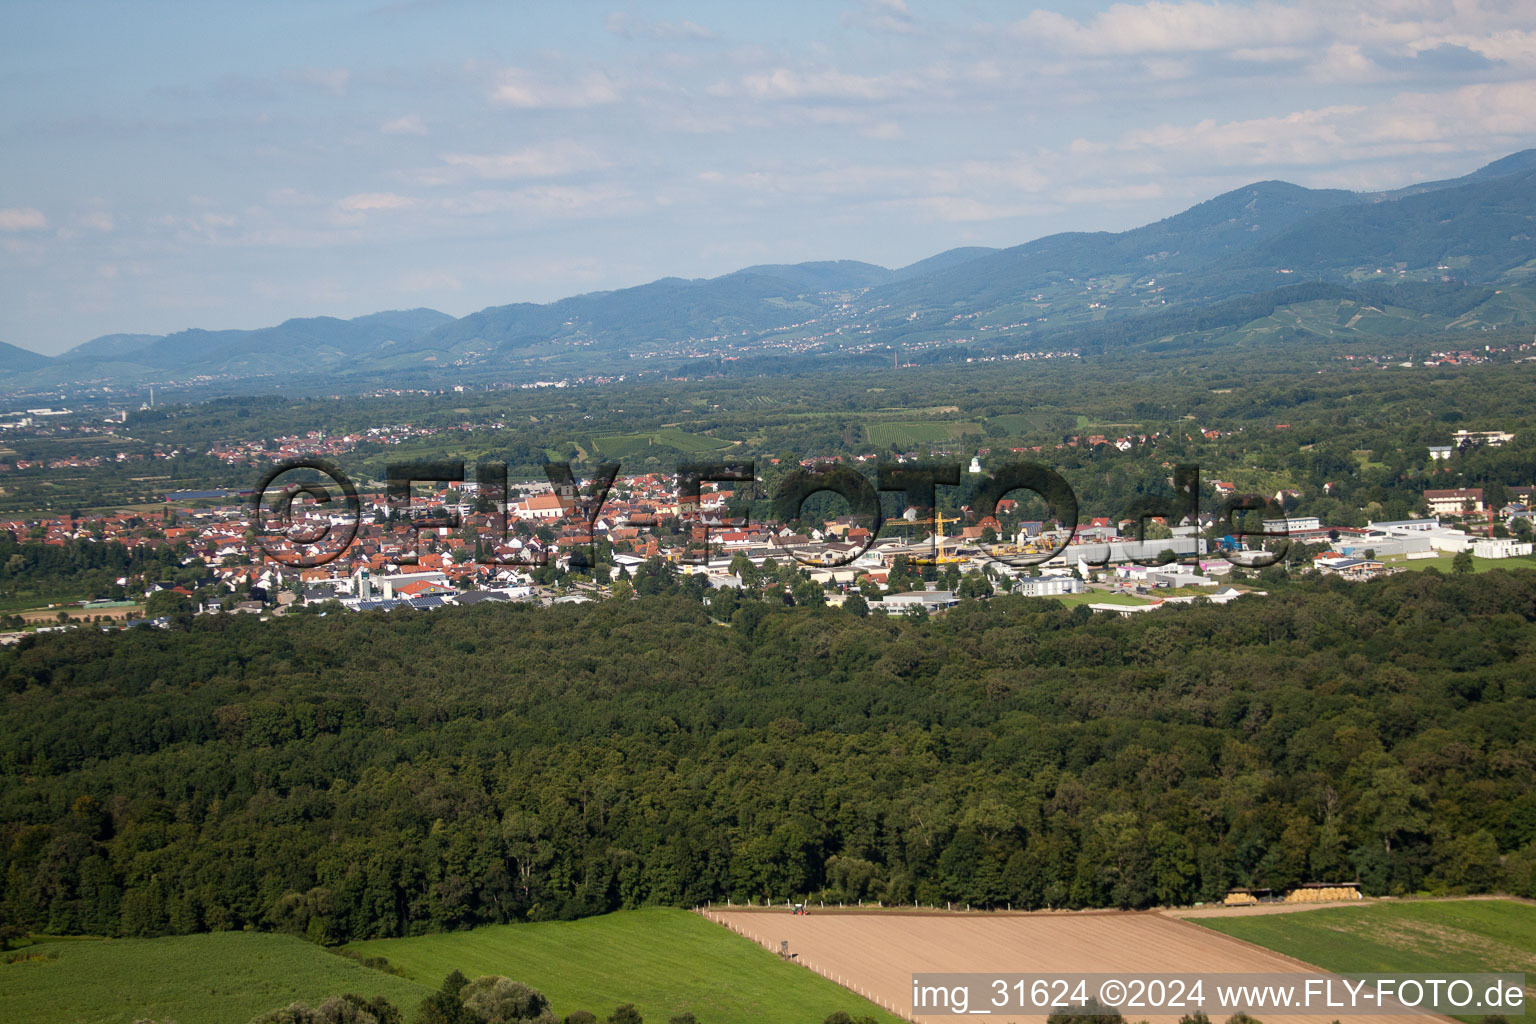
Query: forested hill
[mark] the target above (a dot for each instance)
(1475, 230)
(347, 776)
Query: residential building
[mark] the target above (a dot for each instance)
(1469, 438)
(1457, 501)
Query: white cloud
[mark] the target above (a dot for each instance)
(1353, 34)
(97, 220)
(364, 202)
(548, 201)
(409, 124)
(881, 16)
(886, 131)
(517, 87)
(1493, 115)
(786, 84)
(209, 226)
(289, 196)
(1302, 137)
(1167, 68)
(1511, 45)
(1114, 193)
(22, 218)
(1345, 62)
(531, 162)
(332, 80)
(1270, 54)
(627, 26)
(1163, 27)
(1486, 119)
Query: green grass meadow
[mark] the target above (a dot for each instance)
(1416, 936)
(1446, 563)
(1098, 597)
(664, 961)
(220, 978)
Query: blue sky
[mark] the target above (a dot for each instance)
(232, 165)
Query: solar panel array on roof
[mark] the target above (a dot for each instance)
(426, 603)
(380, 605)
(476, 596)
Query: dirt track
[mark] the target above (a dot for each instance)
(876, 953)
(1262, 908)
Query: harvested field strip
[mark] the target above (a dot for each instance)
(878, 952)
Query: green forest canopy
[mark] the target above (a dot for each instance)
(349, 776)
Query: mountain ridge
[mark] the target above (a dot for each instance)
(1237, 243)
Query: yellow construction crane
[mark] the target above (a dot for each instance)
(937, 521)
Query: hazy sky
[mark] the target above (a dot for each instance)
(234, 164)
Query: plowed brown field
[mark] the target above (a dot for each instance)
(876, 953)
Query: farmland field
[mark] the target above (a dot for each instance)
(216, 978)
(1017, 423)
(1430, 935)
(1333, 318)
(617, 446)
(879, 952)
(903, 433)
(45, 615)
(664, 961)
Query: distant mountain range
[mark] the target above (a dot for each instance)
(16, 360)
(1429, 251)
